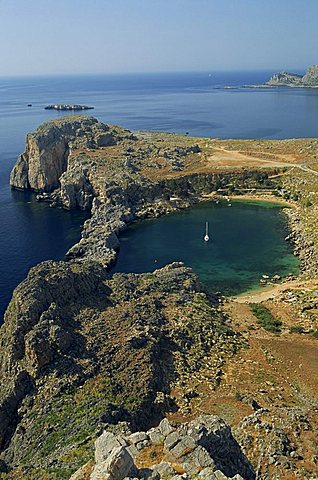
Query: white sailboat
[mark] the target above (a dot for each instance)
(206, 236)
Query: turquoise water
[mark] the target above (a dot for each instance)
(246, 242)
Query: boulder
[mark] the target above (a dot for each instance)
(165, 427)
(105, 444)
(116, 467)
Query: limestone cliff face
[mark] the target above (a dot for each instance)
(40, 167)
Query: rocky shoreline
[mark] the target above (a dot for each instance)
(86, 351)
(303, 245)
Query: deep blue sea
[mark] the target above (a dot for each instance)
(196, 103)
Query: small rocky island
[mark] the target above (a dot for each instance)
(67, 106)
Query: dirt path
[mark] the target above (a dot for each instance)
(230, 158)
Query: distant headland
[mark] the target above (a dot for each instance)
(68, 106)
(287, 79)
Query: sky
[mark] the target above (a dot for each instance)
(42, 37)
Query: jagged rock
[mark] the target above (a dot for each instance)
(197, 460)
(165, 427)
(285, 78)
(311, 76)
(171, 440)
(139, 439)
(185, 445)
(67, 339)
(156, 436)
(164, 470)
(215, 436)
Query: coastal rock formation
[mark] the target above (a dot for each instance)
(40, 167)
(68, 106)
(82, 349)
(202, 449)
(310, 79)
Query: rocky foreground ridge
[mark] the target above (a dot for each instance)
(86, 352)
(286, 79)
(203, 449)
(82, 349)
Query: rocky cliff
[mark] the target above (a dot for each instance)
(310, 79)
(40, 167)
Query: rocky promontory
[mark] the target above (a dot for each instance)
(78, 162)
(45, 159)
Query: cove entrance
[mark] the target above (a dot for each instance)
(247, 240)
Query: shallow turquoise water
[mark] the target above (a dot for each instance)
(246, 241)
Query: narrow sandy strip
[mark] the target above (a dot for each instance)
(272, 291)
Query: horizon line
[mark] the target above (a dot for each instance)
(157, 72)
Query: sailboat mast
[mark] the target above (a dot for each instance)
(206, 237)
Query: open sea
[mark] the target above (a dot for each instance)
(196, 103)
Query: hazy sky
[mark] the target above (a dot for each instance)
(88, 36)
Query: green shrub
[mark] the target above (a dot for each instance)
(265, 318)
(238, 396)
(315, 334)
(296, 329)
